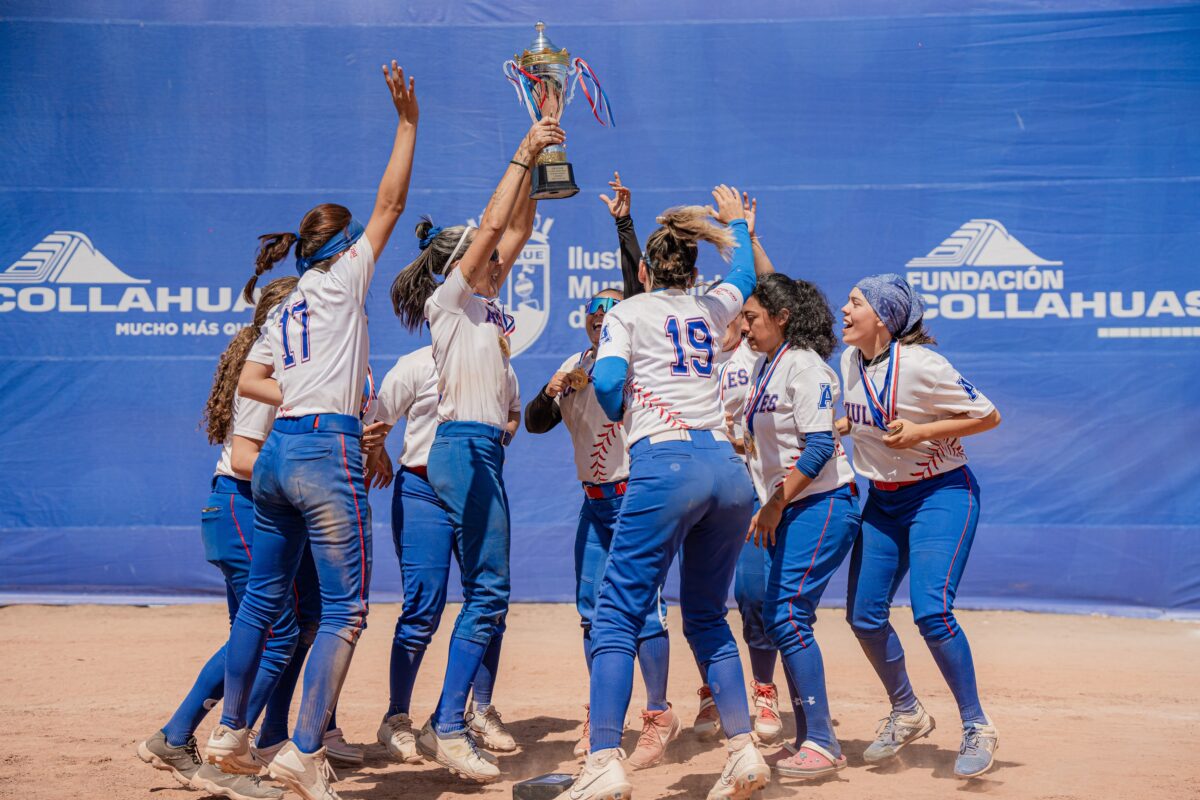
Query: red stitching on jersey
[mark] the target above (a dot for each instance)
(600, 454)
(966, 524)
(811, 563)
(938, 451)
(649, 401)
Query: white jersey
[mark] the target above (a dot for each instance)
(669, 339)
(251, 420)
(793, 396)
(471, 365)
(928, 389)
(601, 451)
(735, 372)
(317, 338)
(410, 391)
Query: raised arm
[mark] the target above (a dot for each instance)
(730, 211)
(393, 187)
(631, 252)
(520, 225)
(762, 264)
(495, 220)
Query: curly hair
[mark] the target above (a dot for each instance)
(670, 253)
(809, 321)
(218, 411)
(413, 285)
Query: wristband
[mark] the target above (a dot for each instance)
(519, 164)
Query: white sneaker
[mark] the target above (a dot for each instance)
(489, 730)
(745, 771)
(230, 750)
(897, 730)
(585, 739)
(603, 778)
(768, 727)
(306, 774)
(396, 734)
(458, 753)
(267, 754)
(340, 751)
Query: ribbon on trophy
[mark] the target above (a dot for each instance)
(524, 83)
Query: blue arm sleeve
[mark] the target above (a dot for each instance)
(741, 269)
(609, 379)
(818, 449)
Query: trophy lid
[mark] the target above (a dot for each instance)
(541, 42)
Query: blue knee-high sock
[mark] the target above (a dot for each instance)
(328, 663)
(266, 680)
(275, 719)
(485, 676)
(807, 667)
(587, 648)
(762, 665)
(654, 656)
(332, 719)
(953, 657)
(405, 665)
(242, 655)
(797, 706)
(882, 648)
(461, 666)
(728, 685)
(205, 693)
(612, 686)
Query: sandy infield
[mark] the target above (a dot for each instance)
(1087, 707)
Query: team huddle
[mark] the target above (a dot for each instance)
(704, 423)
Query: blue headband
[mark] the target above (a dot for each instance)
(893, 300)
(343, 241)
(429, 237)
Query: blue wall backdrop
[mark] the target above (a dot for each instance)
(1034, 170)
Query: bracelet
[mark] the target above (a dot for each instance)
(519, 164)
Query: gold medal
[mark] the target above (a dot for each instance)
(504, 348)
(748, 442)
(577, 379)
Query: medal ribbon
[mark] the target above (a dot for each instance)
(882, 405)
(369, 396)
(761, 381)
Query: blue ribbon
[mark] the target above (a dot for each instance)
(340, 243)
(429, 237)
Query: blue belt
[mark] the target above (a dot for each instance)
(323, 423)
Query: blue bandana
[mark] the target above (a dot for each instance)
(893, 300)
(340, 243)
(429, 237)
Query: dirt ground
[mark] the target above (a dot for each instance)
(1087, 707)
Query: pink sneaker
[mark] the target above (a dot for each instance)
(810, 761)
(585, 739)
(768, 727)
(659, 728)
(708, 719)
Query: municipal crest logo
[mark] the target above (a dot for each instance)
(526, 293)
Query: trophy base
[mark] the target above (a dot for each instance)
(553, 181)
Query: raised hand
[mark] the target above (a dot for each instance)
(541, 135)
(404, 96)
(729, 204)
(618, 205)
(749, 211)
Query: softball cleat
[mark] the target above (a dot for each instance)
(745, 771)
(976, 755)
(230, 751)
(899, 729)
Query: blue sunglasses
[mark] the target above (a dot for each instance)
(604, 304)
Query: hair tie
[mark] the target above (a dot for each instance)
(428, 238)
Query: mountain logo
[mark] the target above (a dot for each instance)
(65, 257)
(981, 243)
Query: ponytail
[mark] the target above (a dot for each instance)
(414, 284)
(272, 248)
(671, 250)
(218, 410)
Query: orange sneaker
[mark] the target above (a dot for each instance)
(708, 719)
(659, 729)
(768, 727)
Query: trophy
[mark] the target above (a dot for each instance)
(542, 75)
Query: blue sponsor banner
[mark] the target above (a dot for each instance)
(1034, 172)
